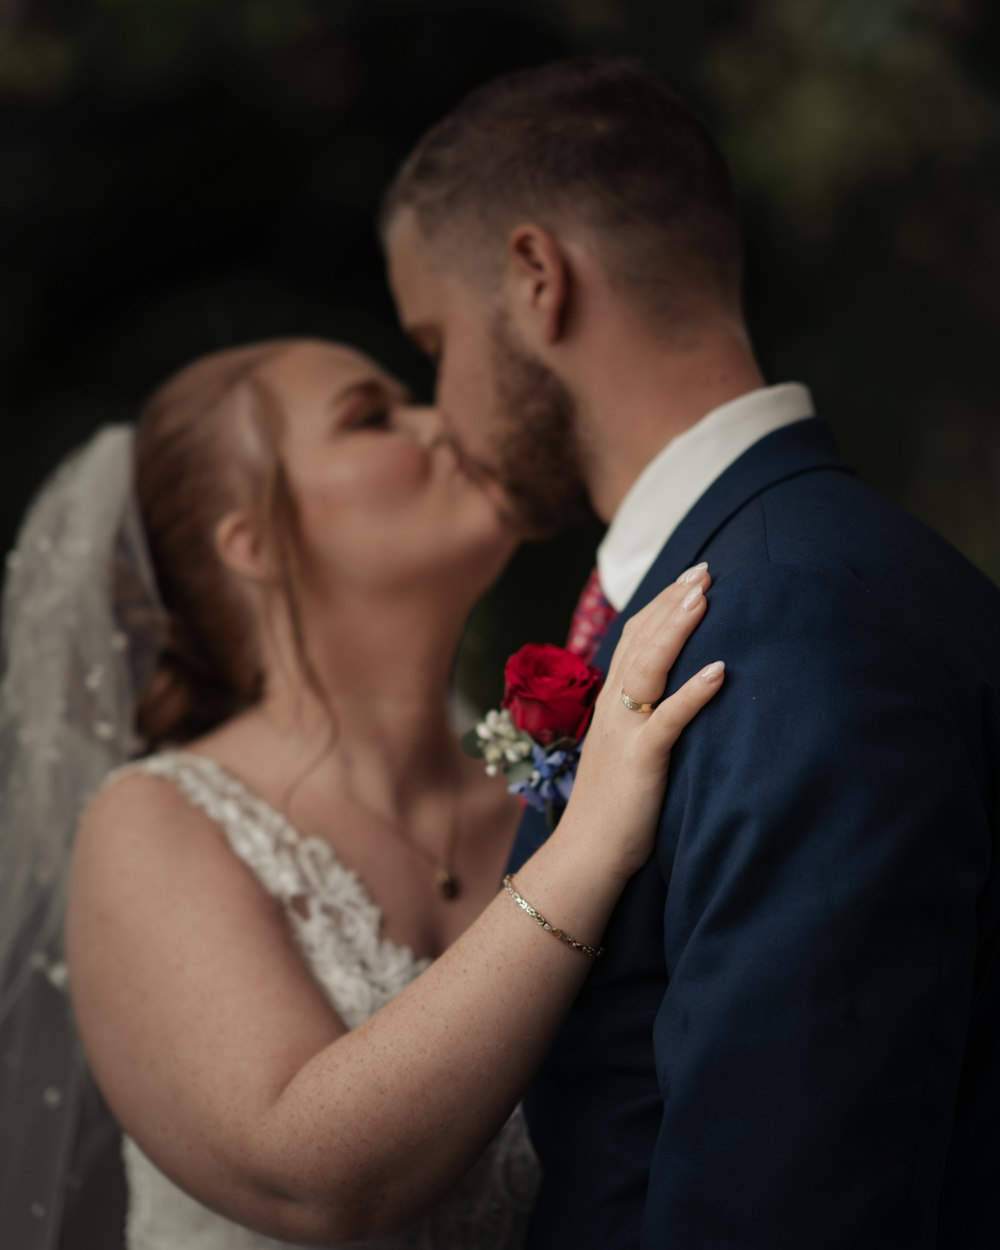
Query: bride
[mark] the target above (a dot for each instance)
(297, 983)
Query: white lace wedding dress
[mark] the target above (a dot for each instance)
(337, 927)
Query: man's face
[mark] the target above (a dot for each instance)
(514, 420)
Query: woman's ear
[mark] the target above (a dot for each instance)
(537, 284)
(241, 547)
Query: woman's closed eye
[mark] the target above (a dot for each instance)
(375, 419)
(369, 405)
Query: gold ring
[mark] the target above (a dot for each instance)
(634, 706)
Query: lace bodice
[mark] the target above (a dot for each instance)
(338, 929)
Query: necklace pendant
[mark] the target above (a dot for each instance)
(446, 882)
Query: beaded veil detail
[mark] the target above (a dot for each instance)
(82, 624)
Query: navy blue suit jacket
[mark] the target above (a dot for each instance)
(793, 1040)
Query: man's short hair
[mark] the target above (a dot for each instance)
(596, 143)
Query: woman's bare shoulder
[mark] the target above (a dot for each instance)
(139, 817)
(134, 794)
(148, 867)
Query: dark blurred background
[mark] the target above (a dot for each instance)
(178, 175)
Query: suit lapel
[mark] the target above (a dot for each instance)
(802, 447)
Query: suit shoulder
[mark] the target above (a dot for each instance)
(835, 518)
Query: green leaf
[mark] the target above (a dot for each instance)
(472, 744)
(520, 771)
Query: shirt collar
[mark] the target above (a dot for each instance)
(679, 475)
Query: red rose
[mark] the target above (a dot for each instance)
(550, 693)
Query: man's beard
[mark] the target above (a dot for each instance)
(538, 460)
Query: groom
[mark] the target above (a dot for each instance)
(793, 1039)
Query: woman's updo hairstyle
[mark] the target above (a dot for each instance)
(208, 442)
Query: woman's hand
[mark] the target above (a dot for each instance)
(622, 777)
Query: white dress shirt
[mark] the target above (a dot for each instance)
(679, 475)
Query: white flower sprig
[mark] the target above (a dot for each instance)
(500, 742)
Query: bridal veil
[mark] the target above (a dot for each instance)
(82, 625)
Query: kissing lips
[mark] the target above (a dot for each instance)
(487, 480)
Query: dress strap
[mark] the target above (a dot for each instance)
(257, 833)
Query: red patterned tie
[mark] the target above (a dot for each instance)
(591, 619)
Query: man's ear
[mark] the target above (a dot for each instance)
(537, 283)
(241, 547)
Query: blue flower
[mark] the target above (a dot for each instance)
(551, 782)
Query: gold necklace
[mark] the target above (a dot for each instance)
(445, 879)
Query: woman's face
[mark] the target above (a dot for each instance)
(382, 496)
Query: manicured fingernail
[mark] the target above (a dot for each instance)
(692, 575)
(713, 672)
(692, 597)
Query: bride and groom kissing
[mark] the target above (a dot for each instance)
(792, 1036)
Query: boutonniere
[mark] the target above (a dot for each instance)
(534, 738)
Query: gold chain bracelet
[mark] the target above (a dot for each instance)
(593, 951)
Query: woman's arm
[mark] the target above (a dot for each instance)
(222, 1058)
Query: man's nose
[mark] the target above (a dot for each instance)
(425, 424)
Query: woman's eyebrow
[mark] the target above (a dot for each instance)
(373, 385)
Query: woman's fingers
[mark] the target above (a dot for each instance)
(626, 755)
(658, 608)
(655, 637)
(675, 713)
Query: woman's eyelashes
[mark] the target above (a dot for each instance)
(370, 416)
